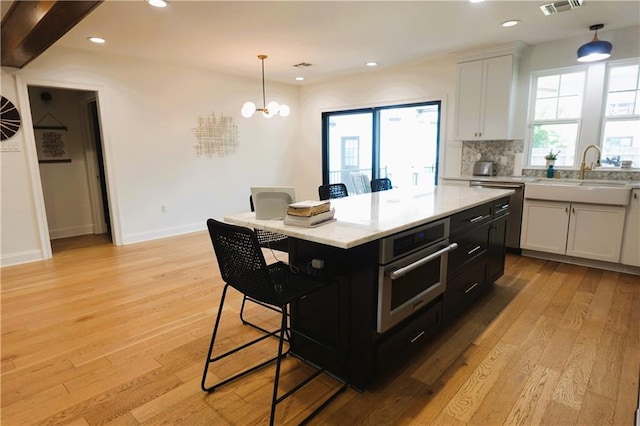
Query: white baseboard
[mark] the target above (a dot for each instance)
(163, 233)
(74, 231)
(19, 258)
(599, 264)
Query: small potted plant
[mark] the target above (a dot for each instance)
(551, 158)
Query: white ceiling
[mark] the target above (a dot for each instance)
(337, 37)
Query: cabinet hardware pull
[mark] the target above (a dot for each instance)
(566, 209)
(471, 288)
(418, 263)
(473, 250)
(418, 336)
(475, 219)
(635, 196)
(573, 210)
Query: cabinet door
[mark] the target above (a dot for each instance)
(595, 232)
(495, 118)
(469, 100)
(630, 254)
(544, 226)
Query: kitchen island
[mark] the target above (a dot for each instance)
(405, 263)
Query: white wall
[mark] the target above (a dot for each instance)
(19, 237)
(148, 111)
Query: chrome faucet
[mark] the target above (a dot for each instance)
(583, 166)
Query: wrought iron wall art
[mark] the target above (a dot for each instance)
(215, 135)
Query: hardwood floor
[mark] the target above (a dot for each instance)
(118, 335)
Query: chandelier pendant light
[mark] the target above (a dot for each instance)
(595, 50)
(268, 110)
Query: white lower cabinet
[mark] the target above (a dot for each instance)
(631, 240)
(590, 231)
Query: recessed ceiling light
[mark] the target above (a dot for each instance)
(372, 64)
(476, 1)
(510, 23)
(98, 40)
(157, 3)
(299, 78)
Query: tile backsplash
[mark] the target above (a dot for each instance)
(506, 151)
(473, 151)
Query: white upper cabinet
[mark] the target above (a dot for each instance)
(484, 99)
(485, 95)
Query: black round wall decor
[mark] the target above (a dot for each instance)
(9, 119)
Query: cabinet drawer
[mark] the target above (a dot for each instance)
(470, 245)
(408, 339)
(464, 289)
(461, 222)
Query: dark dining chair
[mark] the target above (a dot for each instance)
(332, 190)
(243, 267)
(268, 239)
(381, 184)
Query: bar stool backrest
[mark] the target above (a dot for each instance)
(332, 190)
(241, 262)
(380, 184)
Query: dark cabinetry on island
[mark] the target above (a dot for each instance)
(479, 260)
(347, 314)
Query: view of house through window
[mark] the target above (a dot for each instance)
(558, 111)
(397, 142)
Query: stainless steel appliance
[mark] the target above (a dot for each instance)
(484, 168)
(412, 271)
(515, 210)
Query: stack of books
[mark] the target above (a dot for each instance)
(309, 213)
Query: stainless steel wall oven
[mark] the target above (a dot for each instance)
(412, 271)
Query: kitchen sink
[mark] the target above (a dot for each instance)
(612, 184)
(579, 192)
(559, 183)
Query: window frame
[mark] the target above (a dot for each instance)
(605, 93)
(532, 122)
(375, 111)
(593, 118)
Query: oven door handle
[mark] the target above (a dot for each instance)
(418, 263)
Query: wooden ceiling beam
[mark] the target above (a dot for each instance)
(31, 27)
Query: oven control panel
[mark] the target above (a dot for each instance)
(403, 243)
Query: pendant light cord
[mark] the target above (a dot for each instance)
(264, 102)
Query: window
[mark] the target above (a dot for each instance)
(597, 104)
(398, 142)
(557, 110)
(621, 127)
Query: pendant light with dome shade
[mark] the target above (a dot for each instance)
(595, 50)
(268, 110)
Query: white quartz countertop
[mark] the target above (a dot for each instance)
(541, 180)
(369, 217)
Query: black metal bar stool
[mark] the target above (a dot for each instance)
(243, 267)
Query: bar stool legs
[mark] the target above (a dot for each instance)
(283, 334)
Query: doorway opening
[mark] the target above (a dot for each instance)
(68, 138)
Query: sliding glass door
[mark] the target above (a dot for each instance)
(397, 142)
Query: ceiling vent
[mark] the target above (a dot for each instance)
(560, 6)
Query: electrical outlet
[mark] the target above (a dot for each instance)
(503, 160)
(163, 208)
